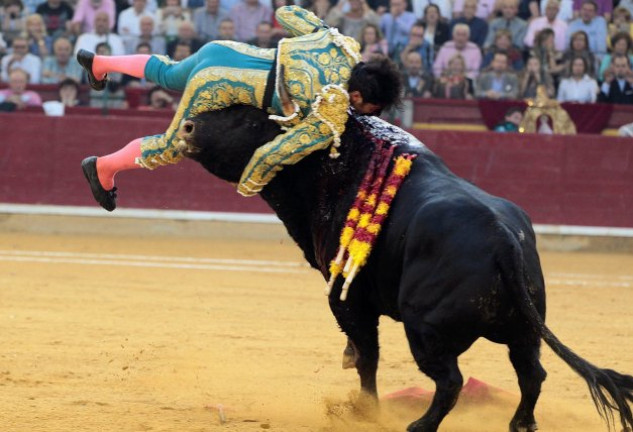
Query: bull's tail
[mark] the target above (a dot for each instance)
(610, 390)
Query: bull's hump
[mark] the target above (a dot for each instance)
(383, 130)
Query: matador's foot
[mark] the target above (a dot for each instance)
(106, 198)
(85, 59)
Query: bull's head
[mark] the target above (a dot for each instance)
(223, 141)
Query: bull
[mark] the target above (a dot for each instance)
(452, 262)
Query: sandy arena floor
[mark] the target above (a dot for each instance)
(167, 334)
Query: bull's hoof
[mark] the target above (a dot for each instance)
(349, 356)
(421, 426)
(518, 427)
(106, 198)
(85, 59)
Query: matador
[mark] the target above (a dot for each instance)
(306, 84)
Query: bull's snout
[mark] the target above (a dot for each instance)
(188, 128)
(186, 138)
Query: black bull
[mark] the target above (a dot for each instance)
(452, 262)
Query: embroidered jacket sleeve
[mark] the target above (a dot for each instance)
(320, 129)
(298, 21)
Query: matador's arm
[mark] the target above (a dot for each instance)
(321, 128)
(298, 21)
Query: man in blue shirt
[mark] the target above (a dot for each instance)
(594, 26)
(478, 27)
(396, 24)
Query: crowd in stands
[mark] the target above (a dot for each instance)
(580, 50)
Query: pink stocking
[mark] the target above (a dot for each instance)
(121, 160)
(129, 64)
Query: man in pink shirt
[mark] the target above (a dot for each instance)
(461, 45)
(85, 12)
(485, 9)
(17, 93)
(246, 15)
(559, 27)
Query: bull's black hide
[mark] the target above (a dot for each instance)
(452, 262)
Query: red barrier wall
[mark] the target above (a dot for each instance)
(573, 180)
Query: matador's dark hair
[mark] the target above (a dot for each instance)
(378, 81)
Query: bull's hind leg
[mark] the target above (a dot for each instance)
(525, 359)
(434, 358)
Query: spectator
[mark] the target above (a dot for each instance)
(68, 93)
(420, 45)
(578, 86)
(129, 24)
(626, 4)
(445, 7)
(528, 9)
(182, 50)
(621, 24)
(21, 58)
(186, 35)
(544, 49)
(396, 24)
(558, 26)
(478, 27)
(169, 17)
(459, 45)
(437, 32)
(57, 15)
(40, 44)
(416, 81)
(565, 10)
(509, 20)
(321, 8)
(207, 19)
(17, 95)
(498, 83)
(594, 26)
(128, 80)
(113, 96)
(618, 82)
(454, 83)
(372, 42)
(351, 21)
(579, 46)
(159, 100)
(534, 76)
(62, 64)
(148, 36)
(503, 43)
(485, 9)
(101, 33)
(604, 8)
(279, 32)
(511, 121)
(12, 23)
(226, 30)
(246, 15)
(263, 36)
(622, 45)
(86, 13)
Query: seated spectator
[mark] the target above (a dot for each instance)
(622, 45)
(62, 64)
(459, 45)
(40, 44)
(68, 93)
(454, 83)
(263, 36)
(321, 8)
(159, 100)
(578, 86)
(621, 24)
(445, 8)
(246, 15)
(86, 13)
(486, 9)
(182, 50)
(396, 24)
(511, 121)
(618, 82)
(420, 45)
(604, 8)
(186, 35)
(12, 22)
(503, 43)
(101, 33)
(544, 49)
(437, 32)
(226, 30)
(478, 27)
(565, 12)
(351, 16)
(497, 83)
(155, 41)
(549, 20)
(416, 81)
(207, 19)
(509, 20)
(57, 15)
(593, 25)
(169, 17)
(372, 42)
(17, 96)
(129, 22)
(529, 9)
(534, 76)
(579, 47)
(21, 58)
